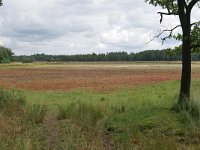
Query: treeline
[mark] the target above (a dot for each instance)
(6, 56)
(149, 55)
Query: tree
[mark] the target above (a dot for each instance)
(5, 55)
(190, 37)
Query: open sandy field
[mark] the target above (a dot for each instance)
(95, 76)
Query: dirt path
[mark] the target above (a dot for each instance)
(53, 134)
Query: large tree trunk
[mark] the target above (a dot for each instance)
(184, 16)
(186, 72)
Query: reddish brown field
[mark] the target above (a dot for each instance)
(100, 77)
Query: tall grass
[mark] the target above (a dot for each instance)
(65, 111)
(138, 118)
(11, 101)
(12, 114)
(36, 113)
(195, 103)
(82, 113)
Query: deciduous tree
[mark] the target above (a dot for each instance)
(190, 37)
(5, 55)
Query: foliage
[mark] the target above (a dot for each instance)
(165, 4)
(195, 38)
(23, 59)
(174, 51)
(5, 54)
(148, 55)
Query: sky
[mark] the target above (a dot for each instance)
(70, 27)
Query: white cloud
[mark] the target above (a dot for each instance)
(81, 26)
(116, 35)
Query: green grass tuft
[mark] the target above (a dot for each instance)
(36, 113)
(11, 101)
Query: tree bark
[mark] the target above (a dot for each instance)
(184, 16)
(186, 73)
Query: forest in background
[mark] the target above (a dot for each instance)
(7, 56)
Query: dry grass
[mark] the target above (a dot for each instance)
(95, 76)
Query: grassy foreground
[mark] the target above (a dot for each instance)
(139, 118)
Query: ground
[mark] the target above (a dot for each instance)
(95, 76)
(97, 106)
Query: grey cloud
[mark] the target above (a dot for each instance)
(80, 26)
(30, 34)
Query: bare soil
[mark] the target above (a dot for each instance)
(98, 79)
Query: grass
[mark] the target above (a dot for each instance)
(10, 100)
(36, 113)
(138, 118)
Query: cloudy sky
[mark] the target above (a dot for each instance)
(81, 26)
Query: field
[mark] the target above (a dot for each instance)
(88, 106)
(94, 76)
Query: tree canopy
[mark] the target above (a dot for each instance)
(5, 55)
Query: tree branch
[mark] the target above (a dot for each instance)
(170, 33)
(163, 31)
(163, 13)
(195, 23)
(191, 4)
